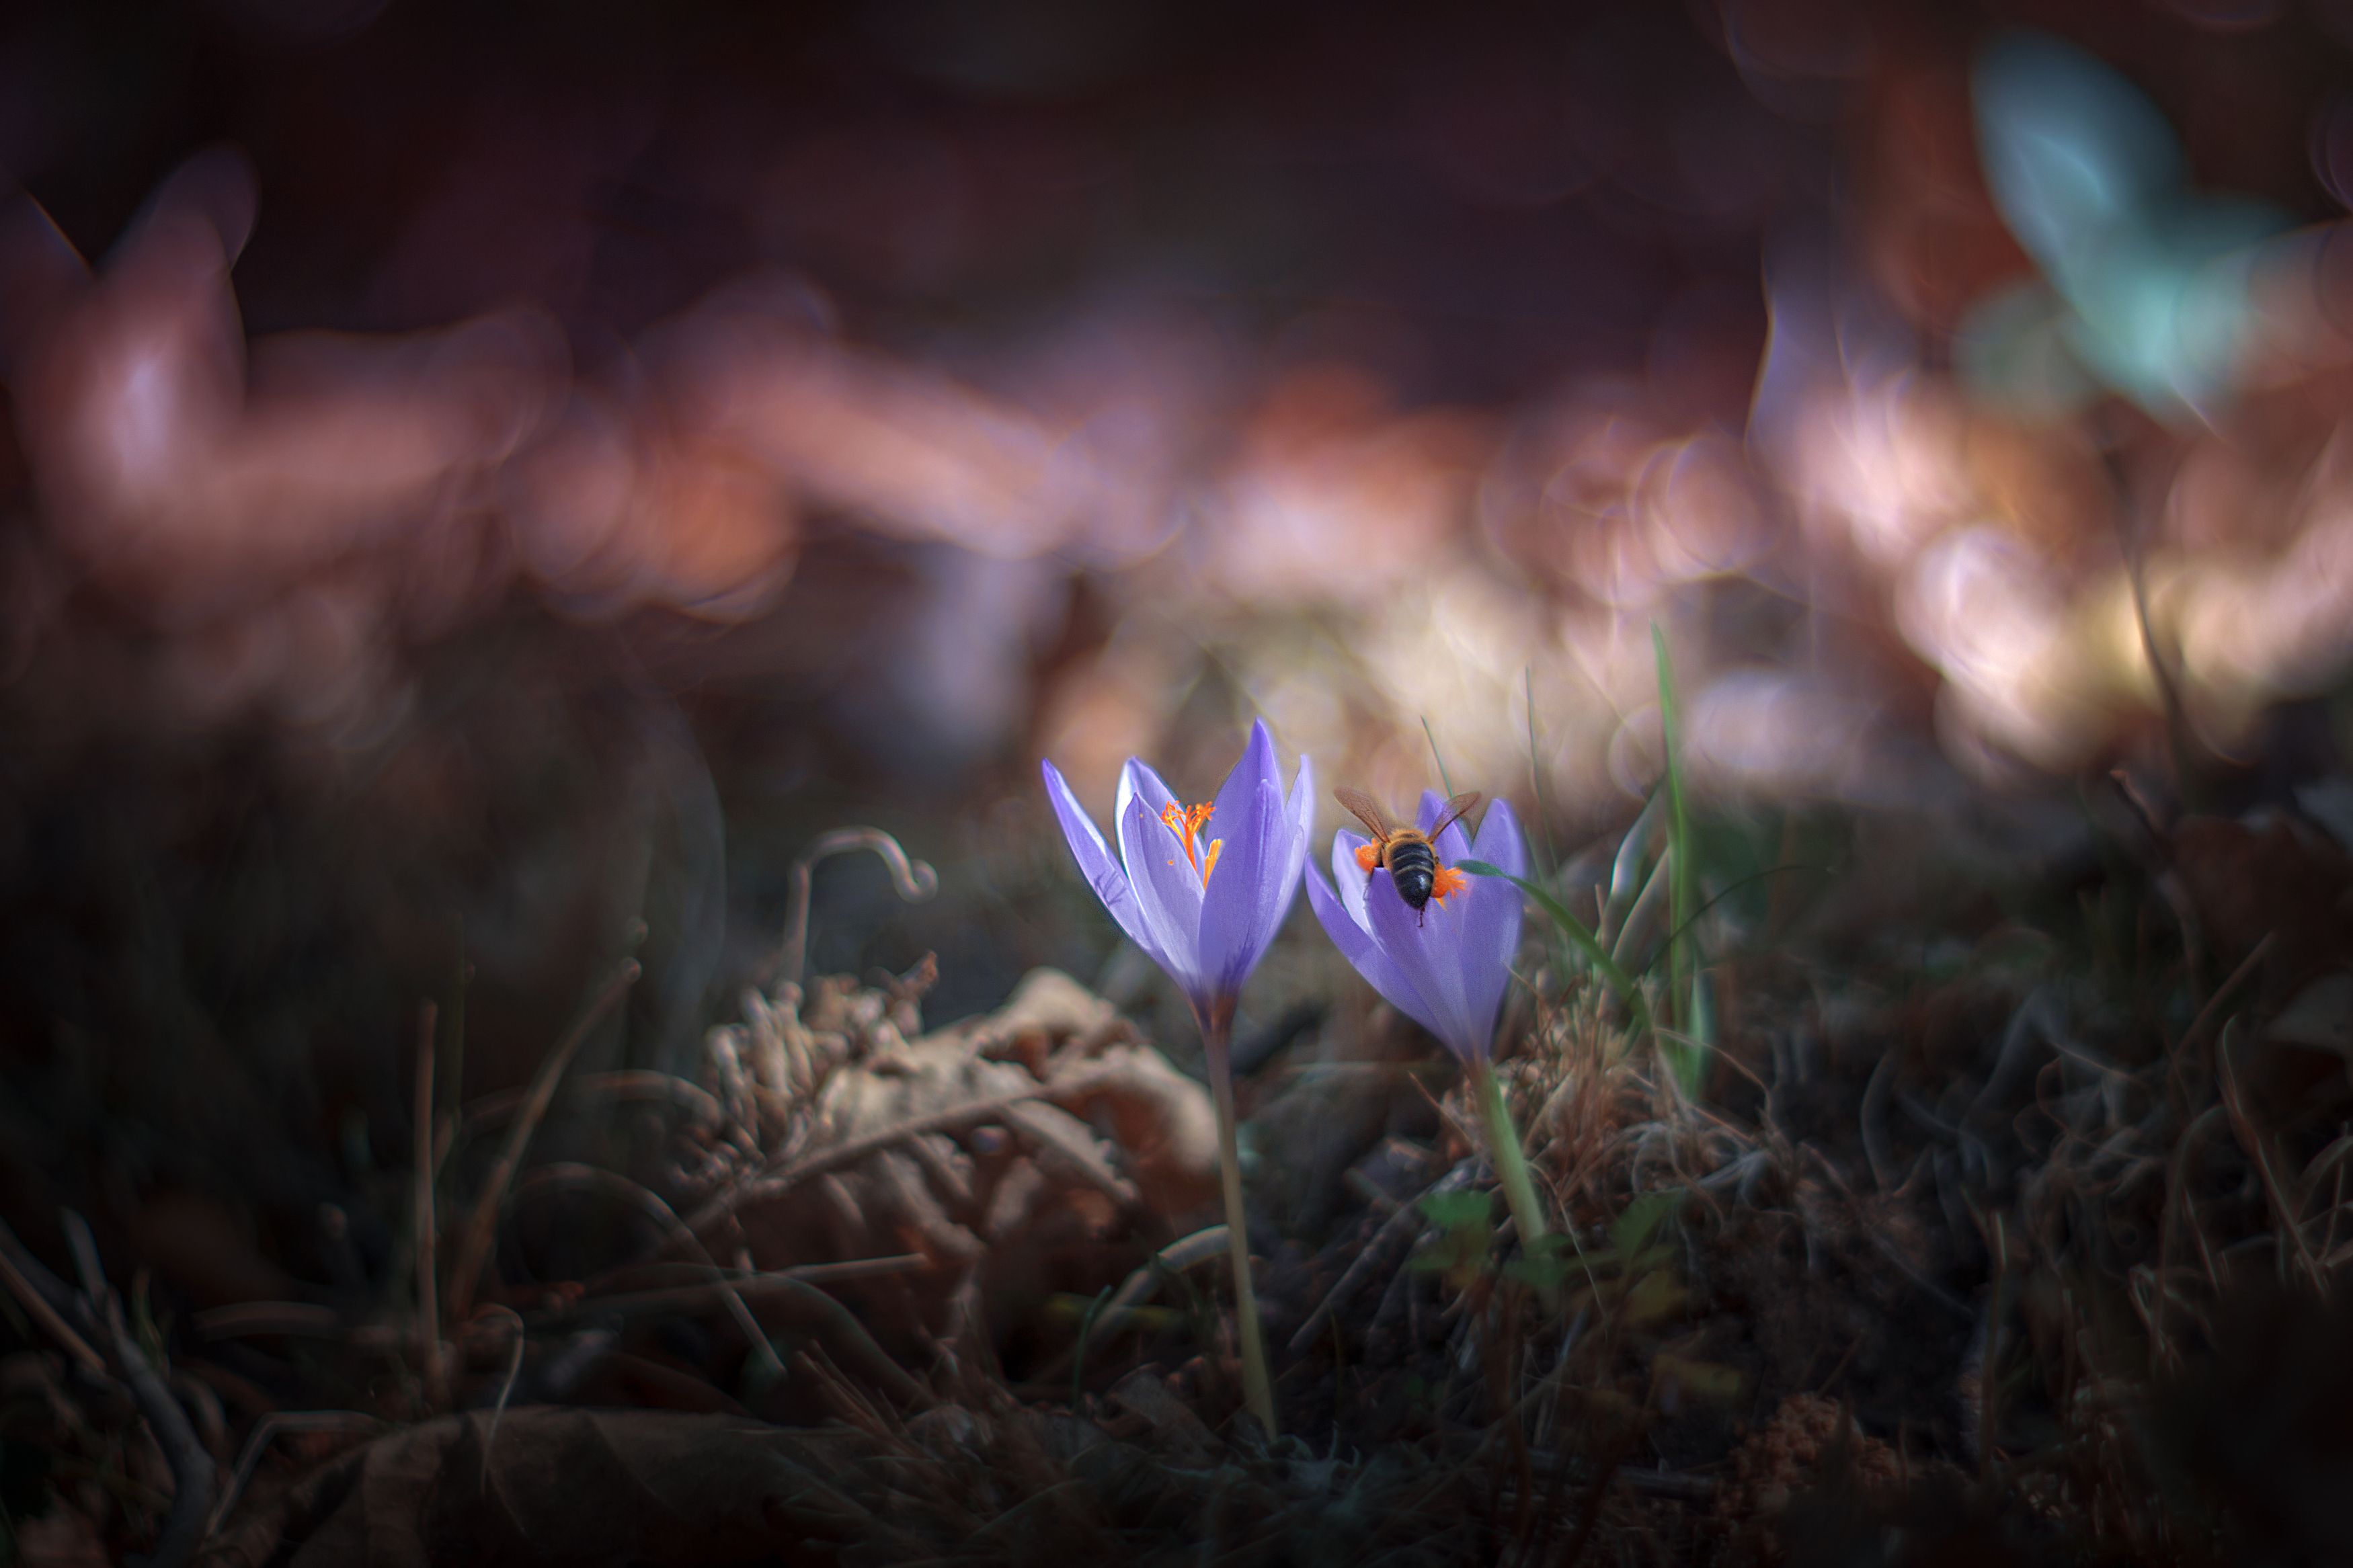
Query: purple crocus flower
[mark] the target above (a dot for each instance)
(1204, 911)
(1448, 967)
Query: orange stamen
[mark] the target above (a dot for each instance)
(1186, 822)
(1369, 857)
(1448, 882)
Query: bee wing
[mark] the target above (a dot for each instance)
(1455, 810)
(1366, 810)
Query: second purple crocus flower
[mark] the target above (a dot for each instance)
(1447, 967)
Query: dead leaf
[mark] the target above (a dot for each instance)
(978, 1146)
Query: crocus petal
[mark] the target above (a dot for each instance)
(1349, 877)
(1166, 886)
(1454, 844)
(1096, 863)
(1490, 919)
(1303, 820)
(1448, 964)
(1357, 945)
(1249, 896)
(1427, 948)
(1500, 842)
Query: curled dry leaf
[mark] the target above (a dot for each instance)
(1012, 1150)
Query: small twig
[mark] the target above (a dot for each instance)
(914, 879)
(474, 1244)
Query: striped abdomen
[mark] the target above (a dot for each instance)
(1413, 867)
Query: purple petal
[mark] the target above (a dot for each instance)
(1349, 877)
(1500, 843)
(1167, 888)
(1490, 919)
(1357, 945)
(1139, 781)
(1247, 897)
(1300, 821)
(1096, 863)
(1428, 949)
(1454, 844)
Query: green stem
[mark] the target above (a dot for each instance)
(1511, 1164)
(1217, 1036)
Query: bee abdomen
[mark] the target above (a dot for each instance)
(1414, 868)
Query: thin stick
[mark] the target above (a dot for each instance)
(424, 1218)
(474, 1244)
(914, 880)
(1258, 1388)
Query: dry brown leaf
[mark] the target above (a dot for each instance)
(979, 1145)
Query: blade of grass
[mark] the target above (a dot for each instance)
(474, 1241)
(1683, 891)
(1434, 757)
(1079, 1359)
(1536, 776)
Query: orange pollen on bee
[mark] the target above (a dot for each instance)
(1369, 857)
(1448, 882)
(1186, 822)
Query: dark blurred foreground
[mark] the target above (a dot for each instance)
(483, 490)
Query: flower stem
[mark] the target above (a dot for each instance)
(1216, 1037)
(1511, 1164)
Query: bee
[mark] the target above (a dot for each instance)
(1410, 854)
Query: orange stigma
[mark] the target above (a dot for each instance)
(1369, 857)
(1447, 882)
(1186, 822)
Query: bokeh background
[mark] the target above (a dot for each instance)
(482, 487)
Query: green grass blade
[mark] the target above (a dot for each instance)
(1683, 890)
(1436, 758)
